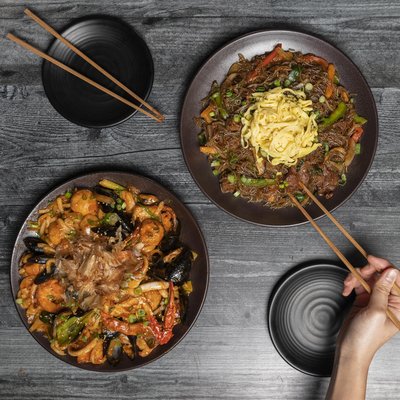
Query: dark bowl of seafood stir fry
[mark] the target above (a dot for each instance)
(109, 271)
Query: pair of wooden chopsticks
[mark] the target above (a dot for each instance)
(152, 113)
(346, 262)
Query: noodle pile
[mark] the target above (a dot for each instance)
(280, 126)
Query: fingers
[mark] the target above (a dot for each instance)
(375, 264)
(381, 291)
(380, 264)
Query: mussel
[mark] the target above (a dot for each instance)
(37, 245)
(169, 242)
(105, 230)
(114, 350)
(178, 270)
(47, 272)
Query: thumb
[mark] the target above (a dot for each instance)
(382, 288)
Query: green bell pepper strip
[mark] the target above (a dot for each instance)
(358, 119)
(218, 101)
(339, 113)
(260, 182)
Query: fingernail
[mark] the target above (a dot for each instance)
(391, 275)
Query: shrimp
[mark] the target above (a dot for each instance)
(126, 328)
(57, 232)
(84, 202)
(151, 233)
(49, 295)
(129, 200)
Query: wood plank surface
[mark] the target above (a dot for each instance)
(228, 353)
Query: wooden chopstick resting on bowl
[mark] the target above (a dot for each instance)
(345, 261)
(396, 288)
(52, 31)
(78, 75)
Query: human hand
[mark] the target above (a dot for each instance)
(368, 327)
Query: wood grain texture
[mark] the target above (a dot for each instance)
(228, 353)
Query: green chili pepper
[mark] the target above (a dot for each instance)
(339, 113)
(358, 119)
(68, 330)
(229, 93)
(260, 182)
(218, 101)
(343, 180)
(357, 149)
(277, 82)
(68, 194)
(260, 89)
(141, 313)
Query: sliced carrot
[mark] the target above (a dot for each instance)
(205, 114)
(208, 150)
(358, 132)
(331, 72)
(331, 77)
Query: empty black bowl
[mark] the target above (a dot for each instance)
(116, 47)
(306, 311)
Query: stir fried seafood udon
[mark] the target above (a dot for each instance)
(106, 274)
(276, 120)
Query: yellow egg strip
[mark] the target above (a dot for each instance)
(280, 126)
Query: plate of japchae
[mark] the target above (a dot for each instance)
(273, 110)
(109, 271)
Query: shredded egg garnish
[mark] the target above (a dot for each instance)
(280, 125)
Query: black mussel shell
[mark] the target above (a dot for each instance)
(39, 258)
(105, 230)
(32, 242)
(44, 275)
(106, 192)
(126, 223)
(178, 270)
(157, 267)
(169, 242)
(114, 351)
(106, 208)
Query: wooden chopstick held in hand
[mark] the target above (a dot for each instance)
(49, 29)
(396, 288)
(346, 262)
(78, 75)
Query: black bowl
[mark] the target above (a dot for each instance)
(117, 48)
(190, 235)
(306, 311)
(216, 67)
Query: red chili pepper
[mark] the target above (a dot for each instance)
(164, 334)
(358, 132)
(263, 63)
(311, 58)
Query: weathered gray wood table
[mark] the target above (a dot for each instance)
(228, 354)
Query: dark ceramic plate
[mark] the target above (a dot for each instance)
(190, 235)
(216, 67)
(116, 47)
(306, 311)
